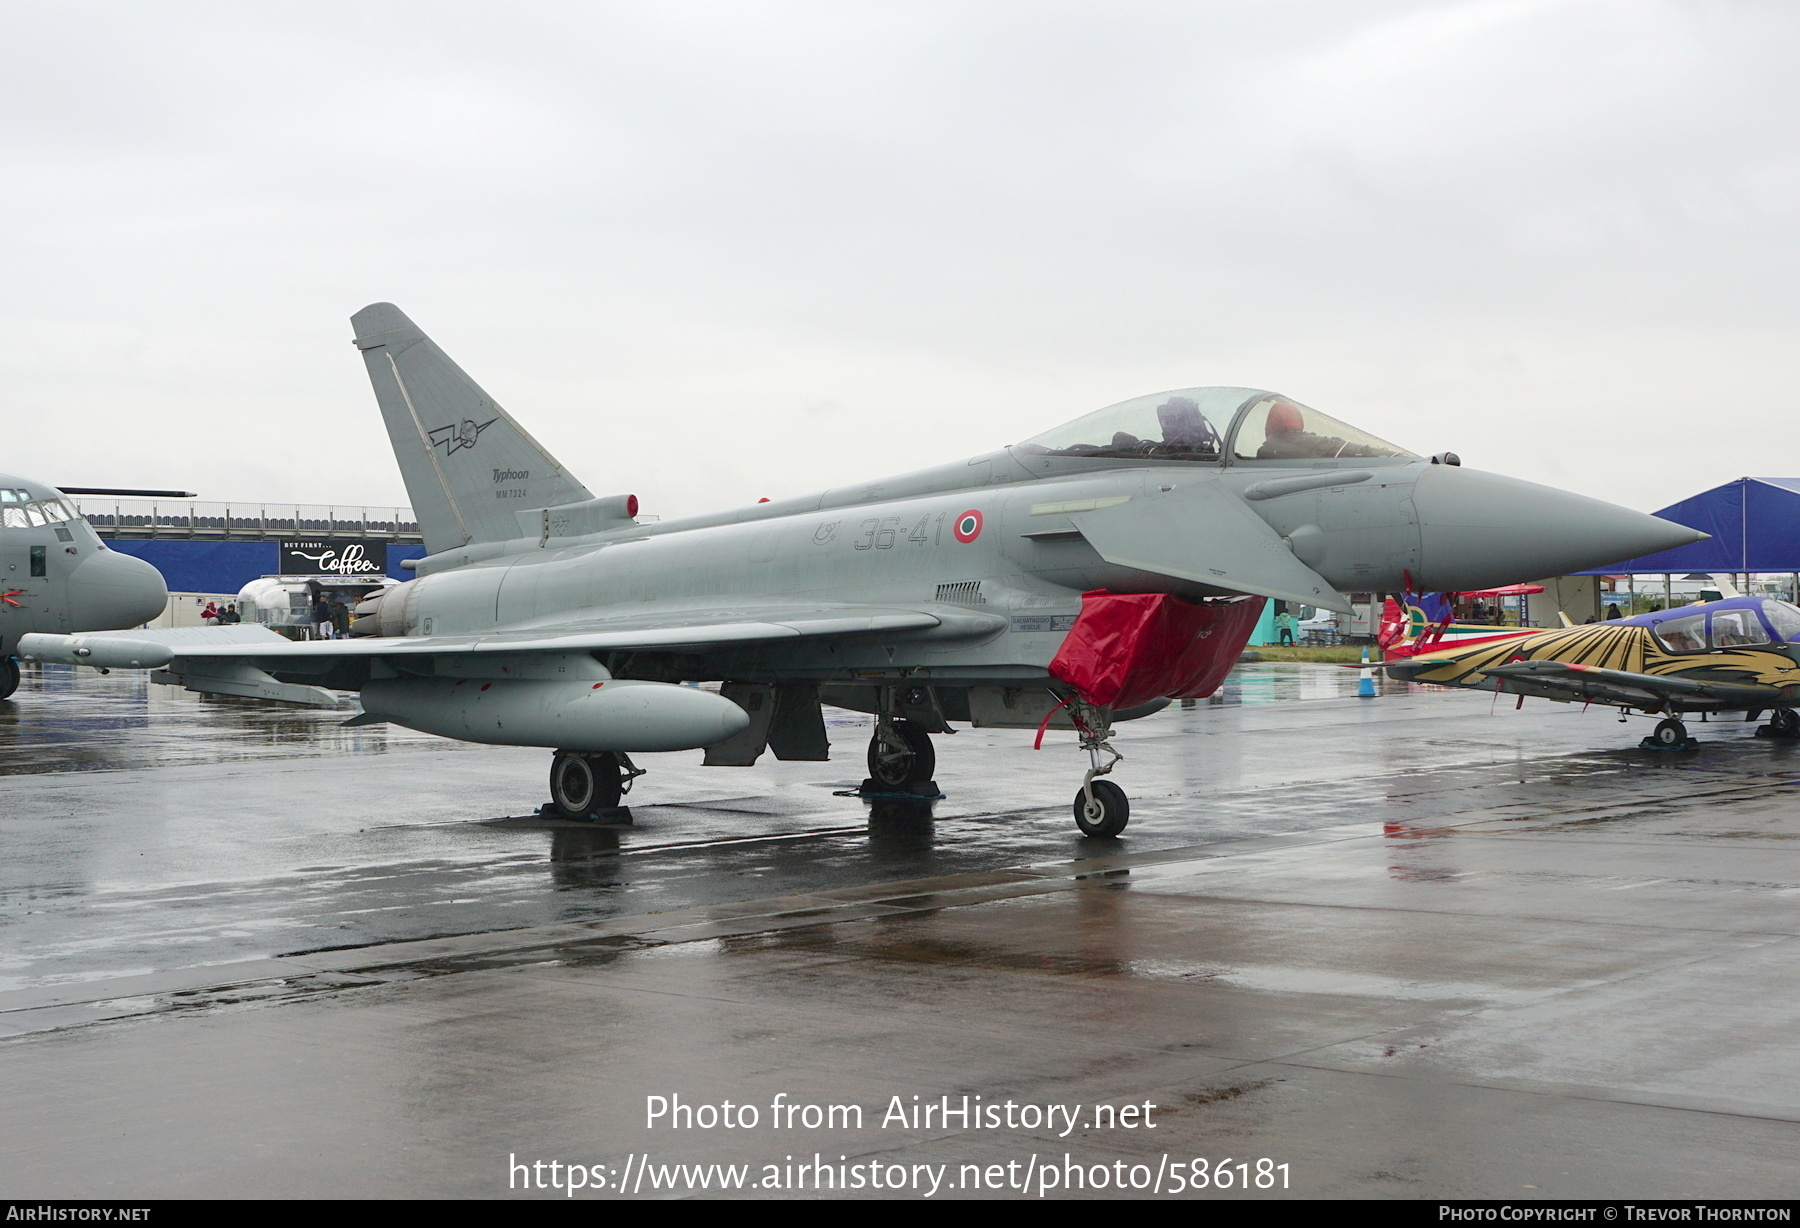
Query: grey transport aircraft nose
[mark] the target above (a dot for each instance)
(1479, 529)
(109, 591)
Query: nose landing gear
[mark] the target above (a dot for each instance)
(590, 786)
(1101, 807)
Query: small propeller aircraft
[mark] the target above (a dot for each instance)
(1083, 576)
(1737, 655)
(56, 575)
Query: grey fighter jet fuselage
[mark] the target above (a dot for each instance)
(56, 575)
(543, 615)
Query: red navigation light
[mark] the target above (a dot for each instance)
(631, 507)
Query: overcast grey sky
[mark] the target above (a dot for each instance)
(713, 251)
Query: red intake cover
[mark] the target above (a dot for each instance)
(1127, 649)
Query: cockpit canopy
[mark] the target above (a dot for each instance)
(1202, 424)
(1733, 624)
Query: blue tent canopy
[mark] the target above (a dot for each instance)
(1755, 526)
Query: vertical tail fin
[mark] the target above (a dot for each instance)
(468, 466)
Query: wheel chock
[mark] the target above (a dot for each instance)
(602, 814)
(872, 790)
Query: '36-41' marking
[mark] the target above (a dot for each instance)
(884, 532)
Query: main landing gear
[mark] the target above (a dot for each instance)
(901, 760)
(1784, 724)
(1669, 734)
(590, 787)
(9, 676)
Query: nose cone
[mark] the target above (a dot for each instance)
(1481, 530)
(109, 591)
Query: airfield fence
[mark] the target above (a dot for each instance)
(187, 518)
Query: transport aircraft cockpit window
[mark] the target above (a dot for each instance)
(1280, 428)
(1784, 618)
(1186, 425)
(1683, 634)
(21, 512)
(1737, 628)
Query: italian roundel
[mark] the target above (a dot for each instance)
(967, 527)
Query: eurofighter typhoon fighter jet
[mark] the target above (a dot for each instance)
(57, 575)
(1083, 576)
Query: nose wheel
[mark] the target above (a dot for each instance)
(9, 676)
(1102, 809)
(590, 787)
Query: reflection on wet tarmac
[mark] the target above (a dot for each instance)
(1421, 945)
(584, 860)
(144, 828)
(900, 828)
(67, 720)
(1276, 682)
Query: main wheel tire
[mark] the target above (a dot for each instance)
(1784, 723)
(1106, 813)
(896, 768)
(609, 779)
(9, 676)
(583, 785)
(1670, 733)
